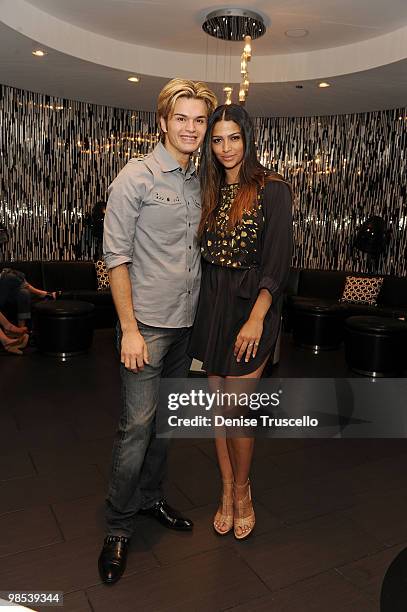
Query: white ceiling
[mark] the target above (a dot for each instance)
(176, 24)
(359, 46)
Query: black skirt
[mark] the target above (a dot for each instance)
(226, 299)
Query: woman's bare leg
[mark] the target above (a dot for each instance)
(216, 384)
(225, 466)
(235, 454)
(240, 450)
(40, 292)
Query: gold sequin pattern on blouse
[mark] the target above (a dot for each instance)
(232, 248)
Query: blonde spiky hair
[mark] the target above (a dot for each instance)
(182, 88)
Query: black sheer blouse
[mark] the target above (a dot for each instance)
(262, 240)
(237, 248)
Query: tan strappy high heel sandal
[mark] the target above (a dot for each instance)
(244, 516)
(224, 515)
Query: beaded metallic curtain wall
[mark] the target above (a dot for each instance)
(343, 169)
(58, 158)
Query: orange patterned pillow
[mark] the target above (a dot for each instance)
(362, 290)
(102, 275)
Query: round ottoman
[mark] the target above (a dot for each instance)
(63, 327)
(376, 346)
(317, 325)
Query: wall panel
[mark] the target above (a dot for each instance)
(57, 158)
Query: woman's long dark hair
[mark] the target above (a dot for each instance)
(212, 173)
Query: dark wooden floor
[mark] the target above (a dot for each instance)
(331, 513)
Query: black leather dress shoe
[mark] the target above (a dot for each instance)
(112, 559)
(168, 517)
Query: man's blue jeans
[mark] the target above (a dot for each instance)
(139, 458)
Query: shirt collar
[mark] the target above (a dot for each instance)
(167, 162)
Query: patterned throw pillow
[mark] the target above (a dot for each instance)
(102, 275)
(362, 290)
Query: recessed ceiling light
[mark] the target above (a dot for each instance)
(324, 84)
(39, 53)
(134, 79)
(296, 33)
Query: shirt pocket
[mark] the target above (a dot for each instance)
(163, 217)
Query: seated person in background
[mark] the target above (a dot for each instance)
(15, 290)
(12, 338)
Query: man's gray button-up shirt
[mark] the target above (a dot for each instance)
(151, 223)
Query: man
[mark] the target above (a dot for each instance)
(153, 258)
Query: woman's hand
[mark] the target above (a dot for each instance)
(248, 339)
(134, 352)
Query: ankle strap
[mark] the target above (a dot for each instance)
(243, 485)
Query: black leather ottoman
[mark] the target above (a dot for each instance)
(63, 327)
(376, 346)
(317, 325)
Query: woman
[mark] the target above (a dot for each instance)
(16, 291)
(246, 238)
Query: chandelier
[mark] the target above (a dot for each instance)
(234, 24)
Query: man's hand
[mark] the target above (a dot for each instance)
(134, 352)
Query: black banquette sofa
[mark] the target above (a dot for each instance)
(323, 288)
(307, 289)
(317, 316)
(75, 279)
